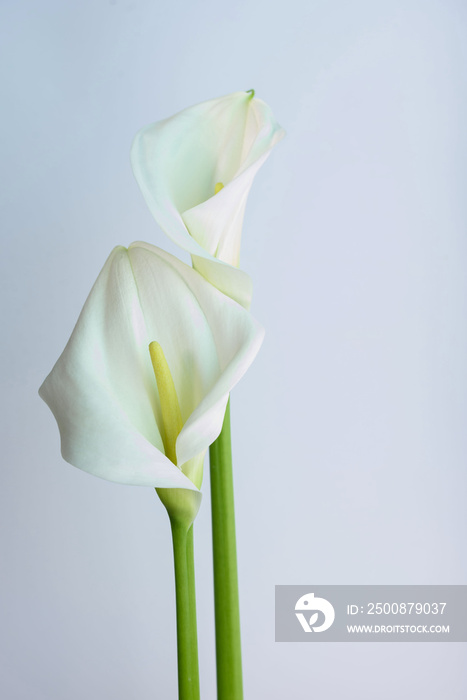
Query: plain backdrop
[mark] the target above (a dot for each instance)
(349, 429)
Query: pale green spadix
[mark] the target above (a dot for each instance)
(170, 408)
(182, 505)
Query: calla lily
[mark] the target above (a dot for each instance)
(195, 171)
(103, 391)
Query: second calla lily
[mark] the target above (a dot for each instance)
(111, 409)
(195, 171)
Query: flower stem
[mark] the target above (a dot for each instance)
(192, 600)
(226, 604)
(187, 643)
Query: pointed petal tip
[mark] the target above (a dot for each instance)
(117, 250)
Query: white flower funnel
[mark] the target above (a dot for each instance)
(195, 171)
(103, 392)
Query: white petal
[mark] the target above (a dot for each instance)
(209, 341)
(177, 163)
(102, 390)
(99, 388)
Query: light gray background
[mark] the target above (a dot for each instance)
(350, 427)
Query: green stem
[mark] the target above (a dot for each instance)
(192, 600)
(226, 605)
(187, 645)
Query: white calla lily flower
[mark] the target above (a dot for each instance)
(103, 390)
(195, 171)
